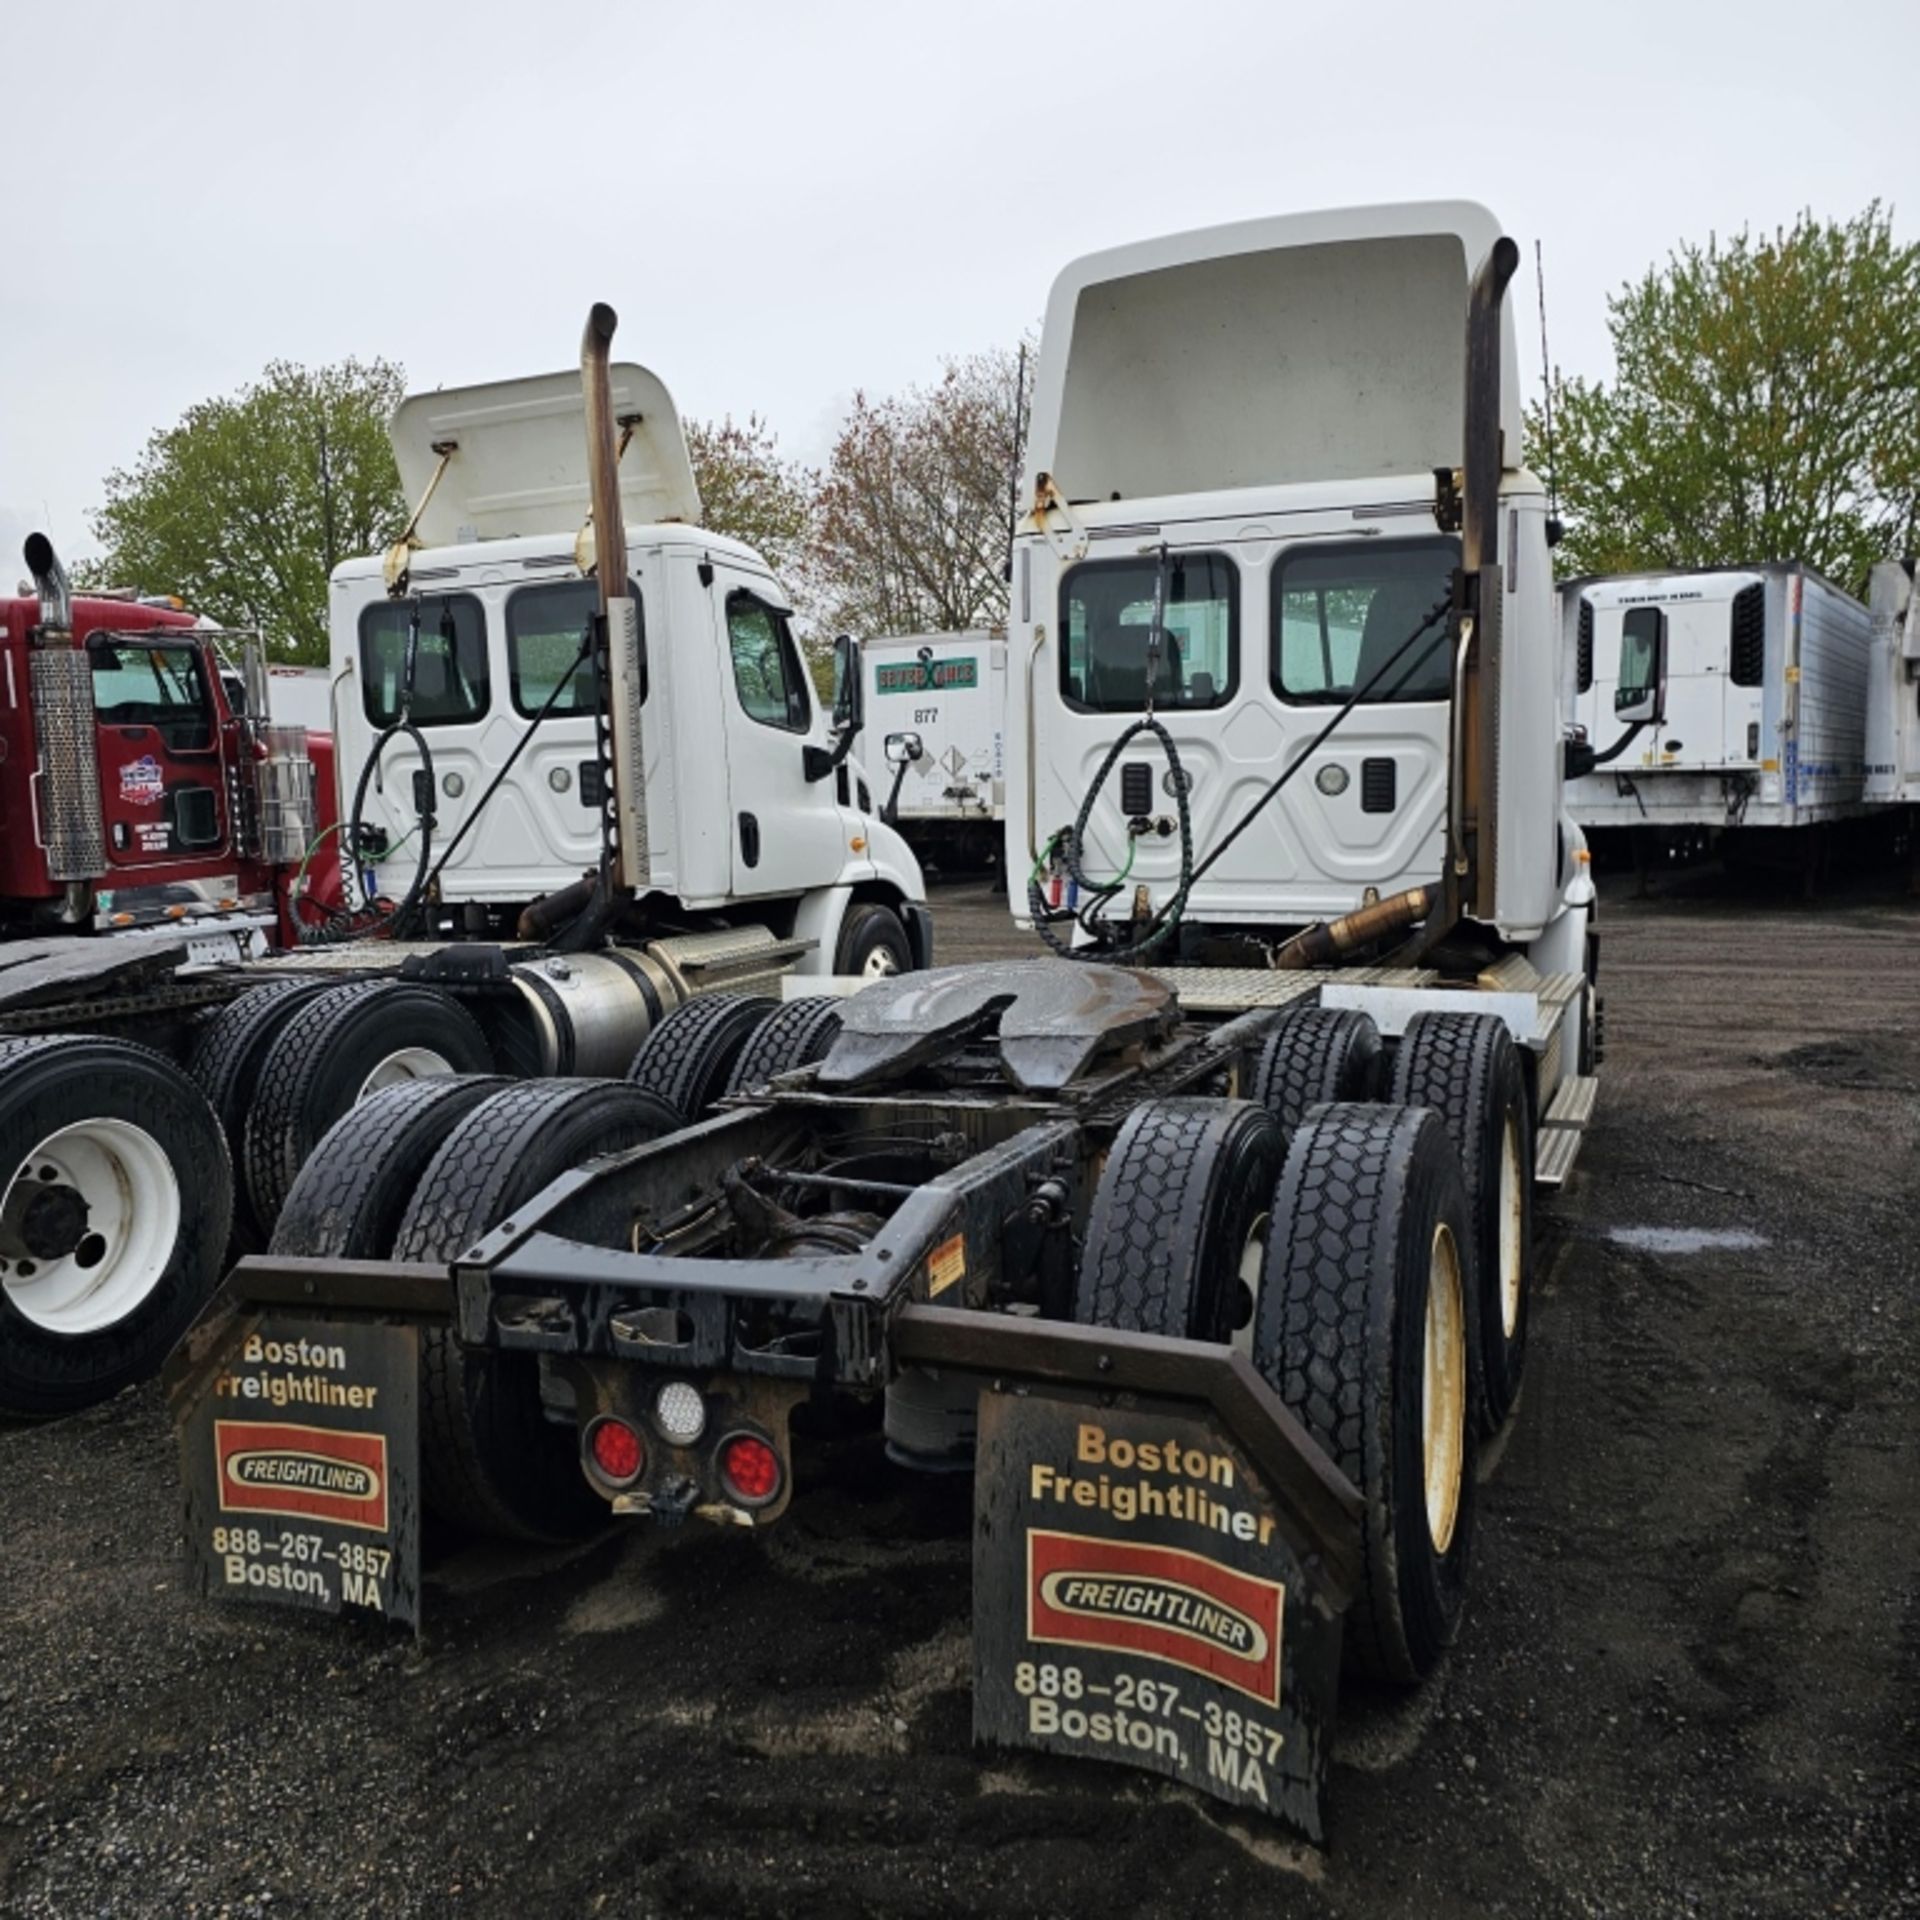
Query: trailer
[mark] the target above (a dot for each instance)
(1205, 1244)
(939, 706)
(1893, 696)
(1766, 673)
(565, 807)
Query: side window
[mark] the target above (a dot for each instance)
(1341, 613)
(450, 670)
(766, 664)
(137, 684)
(545, 626)
(1106, 626)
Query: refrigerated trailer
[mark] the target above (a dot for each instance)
(937, 706)
(1765, 671)
(1212, 1273)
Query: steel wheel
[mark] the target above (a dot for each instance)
(402, 1065)
(91, 1219)
(879, 965)
(1252, 1257)
(1443, 1398)
(1513, 1228)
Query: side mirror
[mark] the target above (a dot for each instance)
(1640, 695)
(849, 694)
(903, 749)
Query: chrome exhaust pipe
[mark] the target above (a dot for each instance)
(51, 583)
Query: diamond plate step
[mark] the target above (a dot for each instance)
(1572, 1103)
(1554, 1154)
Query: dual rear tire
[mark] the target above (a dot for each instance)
(1360, 1245)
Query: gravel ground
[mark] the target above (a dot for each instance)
(1688, 1684)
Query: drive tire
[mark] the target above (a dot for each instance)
(491, 1462)
(1357, 1248)
(1465, 1067)
(873, 943)
(319, 1064)
(1179, 1219)
(1316, 1055)
(793, 1035)
(122, 1123)
(224, 1062)
(349, 1199)
(689, 1057)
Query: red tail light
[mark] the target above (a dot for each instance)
(616, 1449)
(750, 1468)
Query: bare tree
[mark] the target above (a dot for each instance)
(750, 490)
(910, 529)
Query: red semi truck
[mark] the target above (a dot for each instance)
(154, 822)
(135, 788)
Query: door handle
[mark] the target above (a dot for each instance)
(749, 840)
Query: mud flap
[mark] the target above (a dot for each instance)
(1136, 1598)
(299, 1456)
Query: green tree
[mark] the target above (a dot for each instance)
(1765, 406)
(245, 507)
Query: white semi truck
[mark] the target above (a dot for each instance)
(1231, 1197)
(1765, 672)
(560, 824)
(937, 707)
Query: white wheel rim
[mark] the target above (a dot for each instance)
(1511, 1208)
(1443, 1396)
(879, 964)
(1252, 1257)
(402, 1065)
(132, 1199)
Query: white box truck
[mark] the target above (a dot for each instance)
(1765, 673)
(938, 702)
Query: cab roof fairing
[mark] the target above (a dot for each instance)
(1305, 348)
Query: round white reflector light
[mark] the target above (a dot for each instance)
(680, 1413)
(1331, 779)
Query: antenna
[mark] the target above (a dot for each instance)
(1013, 463)
(1546, 385)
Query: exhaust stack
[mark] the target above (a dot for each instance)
(51, 583)
(621, 749)
(1473, 868)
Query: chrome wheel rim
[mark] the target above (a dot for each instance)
(879, 965)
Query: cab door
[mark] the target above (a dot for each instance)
(788, 833)
(163, 775)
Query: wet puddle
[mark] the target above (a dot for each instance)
(1687, 1239)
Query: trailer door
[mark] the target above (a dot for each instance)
(163, 775)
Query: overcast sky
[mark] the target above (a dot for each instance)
(786, 202)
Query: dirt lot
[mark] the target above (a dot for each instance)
(1689, 1682)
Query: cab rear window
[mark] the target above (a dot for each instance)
(450, 668)
(545, 627)
(1341, 613)
(1106, 619)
